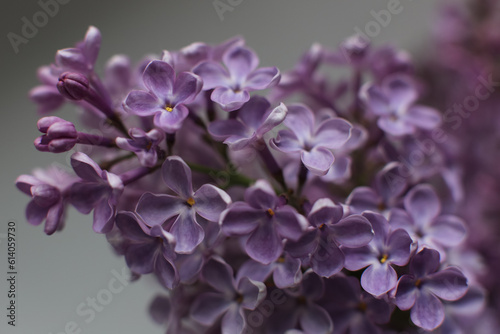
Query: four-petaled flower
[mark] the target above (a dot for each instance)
(166, 96)
(208, 201)
(144, 144)
(232, 86)
(313, 141)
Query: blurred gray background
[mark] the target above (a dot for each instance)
(58, 273)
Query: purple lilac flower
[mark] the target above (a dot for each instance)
(424, 223)
(313, 141)
(388, 247)
(421, 289)
(265, 220)
(81, 58)
(49, 190)
(312, 318)
(99, 190)
(229, 300)
(389, 184)
(352, 309)
(166, 96)
(254, 120)
(148, 249)
(286, 271)
(232, 85)
(328, 230)
(393, 100)
(144, 144)
(208, 201)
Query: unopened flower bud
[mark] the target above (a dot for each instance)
(73, 86)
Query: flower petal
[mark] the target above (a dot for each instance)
(428, 312)
(353, 231)
(208, 307)
(210, 201)
(399, 247)
(253, 293)
(423, 117)
(314, 319)
(35, 214)
(288, 273)
(448, 284)
(300, 120)
(187, 232)
(333, 133)
(406, 292)
(328, 259)
(171, 121)
(156, 209)
(252, 113)
(159, 78)
(141, 257)
(379, 278)
(289, 224)
(212, 74)
(358, 258)
(448, 230)
(104, 215)
(86, 168)
(233, 321)
(318, 161)
(240, 61)
(223, 129)
(262, 78)
(324, 211)
(142, 103)
(229, 99)
(286, 141)
(166, 272)
(177, 176)
(264, 245)
(219, 275)
(186, 87)
(423, 205)
(241, 219)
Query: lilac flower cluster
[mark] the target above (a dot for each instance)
(256, 213)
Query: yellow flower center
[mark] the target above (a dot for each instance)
(384, 258)
(169, 108)
(190, 201)
(418, 283)
(270, 212)
(362, 306)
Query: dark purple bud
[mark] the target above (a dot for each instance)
(45, 195)
(73, 86)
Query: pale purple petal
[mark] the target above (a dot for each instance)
(314, 319)
(253, 293)
(261, 195)
(406, 292)
(208, 307)
(395, 126)
(401, 91)
(177, 176)
(428, 312)
(389, 182)
(375, 99)
(131, 228)
(305, 245)
(241, 219)
(448, 284)
(233, 321)
(288, 224)
(186, 87)
(229, 99)
(210, 201)
(264, 244)
(253, 111)
(262, 78)
(328, 259)
(399, 247)
(187, 232)
(272, 119)
(358, 258)
(213, 75)
(240, 61)
(379, 278)
(288, 273)
(219, 275)
(85, 196)
(362, 199)
(223, 129)
(142, 103)
(423, 117)
(380, 227)
(86, 168)
(255, 271)
(156, 209)
(447, 230)
(324, 211)
(286, 141)
(353, 231)
(103, 217)
(300, 120)
(92, 44)
(141, 257)
(72, 59)
(318, 160)
(159, 78)
(423, 205)
(333, 133)
(53, 220)
(171, 121)
(424, 262)
(35, 214)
